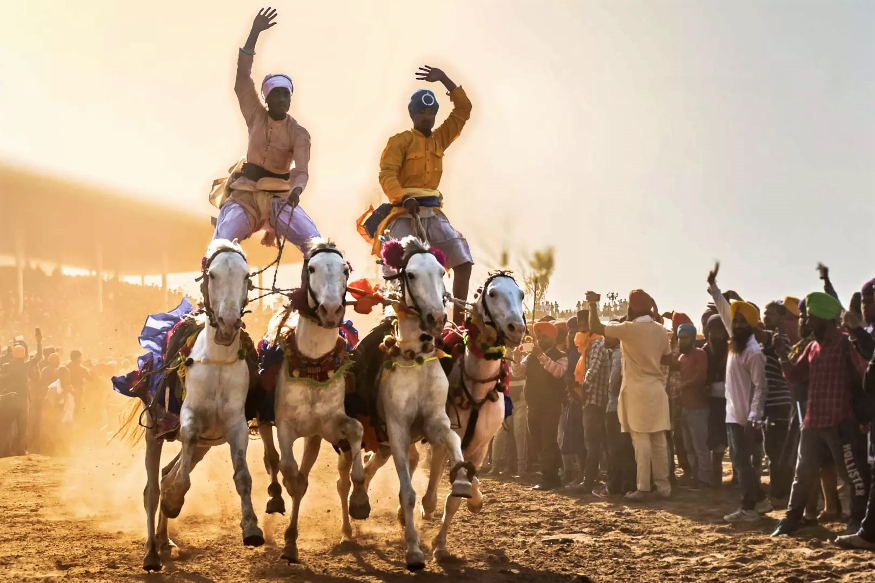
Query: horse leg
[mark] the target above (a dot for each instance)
(152, 560)
(238, 440)
(165, 545)
(286, 437)
(377, 461)
(435, 471)
(412, 464)
(475, 502)
(311, 453)
(344, 464)
(176, 484)
(352, 431)
(275, 505)
(437, 430)
(399, 443)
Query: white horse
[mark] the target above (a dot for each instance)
(412, 393)
(216, 382)
(309, 403)
(498, 317)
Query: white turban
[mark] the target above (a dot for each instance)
(271, 82)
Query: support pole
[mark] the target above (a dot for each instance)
(261, 285)
(19, 268)
(164, 277)
(99, 279)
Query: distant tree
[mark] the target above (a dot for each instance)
(540, 270)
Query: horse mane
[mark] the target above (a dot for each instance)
(413, 246)
(283, 320)
(319, 244)
(218, 245)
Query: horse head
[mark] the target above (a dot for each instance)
(423, 287)
(500, 307)
(225, 288)
(325, 279)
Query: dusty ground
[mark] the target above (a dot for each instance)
(80, 518)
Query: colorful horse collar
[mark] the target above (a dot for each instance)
(321, 370)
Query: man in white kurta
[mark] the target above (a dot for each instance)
(643, 405)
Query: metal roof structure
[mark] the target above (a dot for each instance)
(47, 218)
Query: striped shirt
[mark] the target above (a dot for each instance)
(597, 381)
(555, 368)
(779, 400)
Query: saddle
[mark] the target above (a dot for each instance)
(166, 404)
(361, 402)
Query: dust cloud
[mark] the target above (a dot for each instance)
(104, 479)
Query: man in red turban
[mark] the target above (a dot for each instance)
(643, 405)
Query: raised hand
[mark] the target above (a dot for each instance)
(430, 74)
(593, 298)
(264, 19)
(822, 271)
(712, 275)
(851, 321)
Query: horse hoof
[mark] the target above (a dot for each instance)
(276, 506)
(290, 555)
(441, 555)
(462, 489)
(253, 537)
(415, 561)
(152, 562)
(360, 511)
(166, 547)
(475, 507)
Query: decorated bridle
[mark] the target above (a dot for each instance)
(305, 309)
(205, 283)
(489, 319)
(400, 265)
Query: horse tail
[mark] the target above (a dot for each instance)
(131, 431)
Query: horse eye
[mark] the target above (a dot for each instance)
(492, 294)
(312, 270)
(411, 276)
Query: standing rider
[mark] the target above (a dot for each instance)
(256, 191)
(410, 173)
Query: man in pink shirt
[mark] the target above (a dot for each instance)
(264, 192)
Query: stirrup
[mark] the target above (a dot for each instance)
(472, 471)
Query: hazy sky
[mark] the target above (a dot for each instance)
(641, 139)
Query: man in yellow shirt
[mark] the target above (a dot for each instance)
(410, 173)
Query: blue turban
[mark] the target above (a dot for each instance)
(687, 329)
(422, 99)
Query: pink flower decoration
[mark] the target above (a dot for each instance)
(393, 254)
(439, 255)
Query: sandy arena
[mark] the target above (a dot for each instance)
(80, 518)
